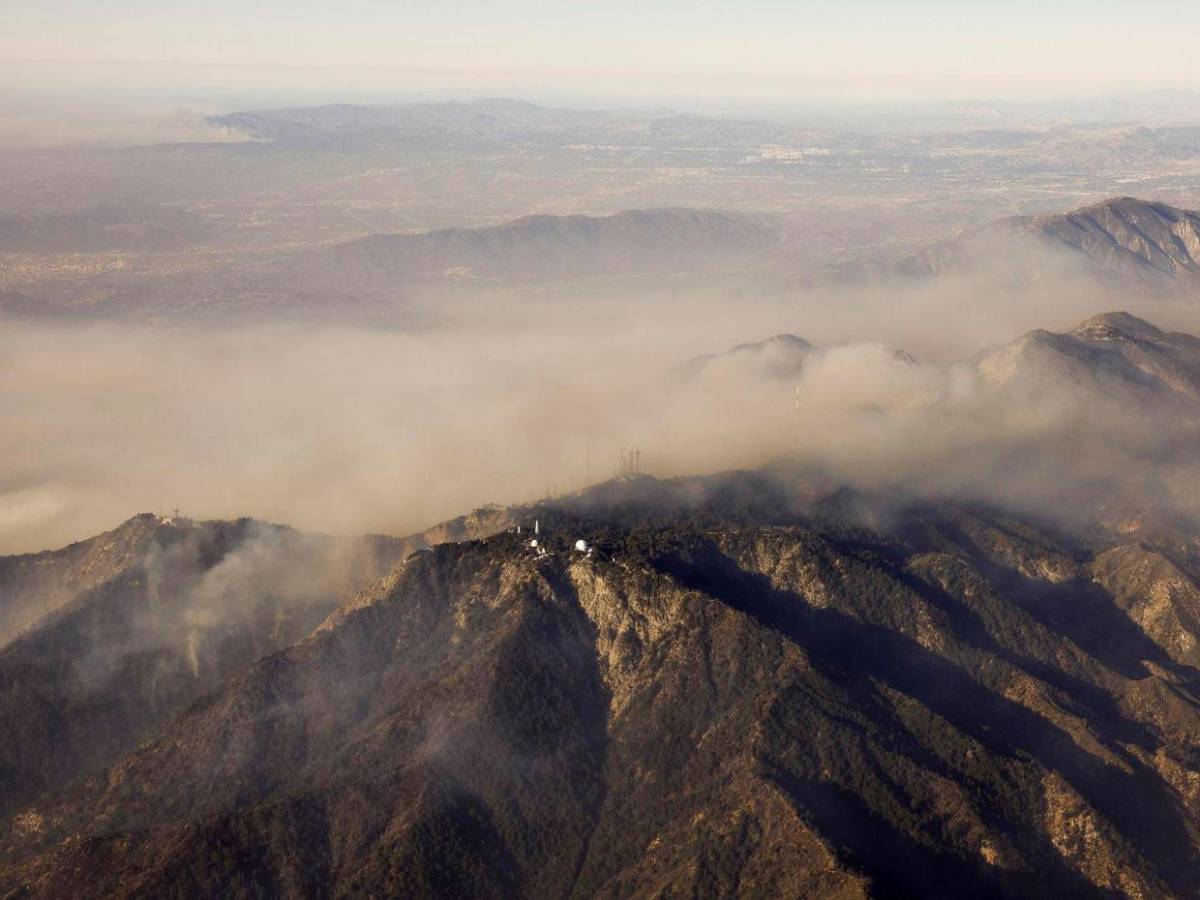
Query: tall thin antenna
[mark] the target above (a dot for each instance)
(588, 479)
(796, 417)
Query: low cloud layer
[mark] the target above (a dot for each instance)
(353, 430)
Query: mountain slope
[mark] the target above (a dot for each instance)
(706, 702)
(538, 248)
(33, 585)
(1135, 241)
(1128, 236)
(151, 617)
(1114, 354)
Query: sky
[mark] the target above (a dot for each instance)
(836, 49)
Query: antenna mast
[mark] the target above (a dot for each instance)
(796, 416)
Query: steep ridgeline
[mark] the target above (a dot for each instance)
(1136, 242)
(34, 585)
(107, 639)
(743, 688)
(1114, 355)
(536, 248)
(1128, 236)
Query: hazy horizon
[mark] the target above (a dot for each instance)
(857, 64)
(863, 48)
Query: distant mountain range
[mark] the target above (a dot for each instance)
(376, 278)
(1122, 244)
(1133, 241)
(540, 248)
(744, 683)
(497, 122)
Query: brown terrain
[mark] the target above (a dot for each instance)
(745, 684)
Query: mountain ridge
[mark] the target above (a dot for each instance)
(1143, 243)
(533, 703)
(1110, 350)
(540, 247)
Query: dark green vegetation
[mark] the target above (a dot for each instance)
(747, 689)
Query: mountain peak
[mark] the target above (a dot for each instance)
(1114, 325)
(783, 341)
(1138, 243)
(1119, 203)
(779, 356)
(1116, 356)
(1128, 237)
(1137, 205)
